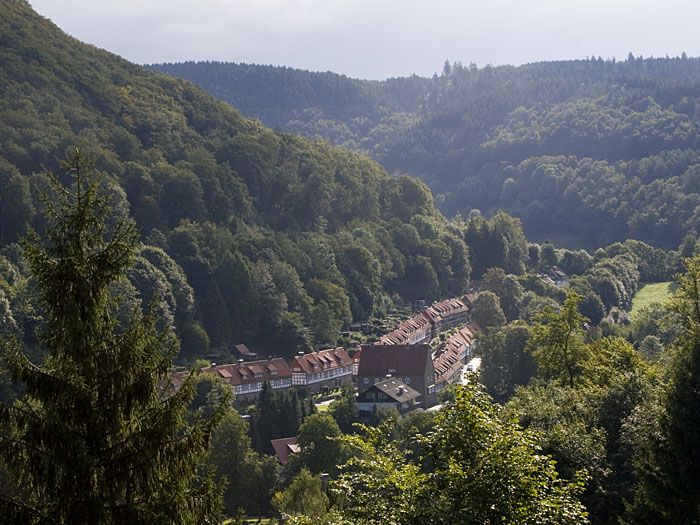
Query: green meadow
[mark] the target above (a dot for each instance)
(651, 293)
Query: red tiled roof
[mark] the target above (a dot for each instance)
(403, 332)
(243, 350)
(447, 356)
(244, 373)
(469, 298)
(283, 447)
(178, 378)
(332, 358)
(405, 360)
(441, 309)
(423, 321)
(254, 367)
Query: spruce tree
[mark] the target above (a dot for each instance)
(265, 419)
(668, 459)
(99, 437)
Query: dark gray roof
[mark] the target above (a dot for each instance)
(397, 390)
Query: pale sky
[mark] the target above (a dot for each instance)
(379, 38)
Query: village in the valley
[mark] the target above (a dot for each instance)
(401, 370)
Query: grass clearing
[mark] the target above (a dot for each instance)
(651, 293)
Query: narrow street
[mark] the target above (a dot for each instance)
(472, 366)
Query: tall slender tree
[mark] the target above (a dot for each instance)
(668, 462)
(99, 437)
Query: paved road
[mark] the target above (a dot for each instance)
(474, 364)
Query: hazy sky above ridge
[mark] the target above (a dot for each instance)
(379, 38)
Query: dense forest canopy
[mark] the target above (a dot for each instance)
(606, 148)
(249, 235)
(201, 223)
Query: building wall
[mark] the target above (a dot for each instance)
(336, 381)
(248, 393)
(421, 383)
(315, 382)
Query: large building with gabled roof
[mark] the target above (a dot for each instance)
(451, 355)
(412, 364)
(390, 393)
(247, 378)
(425, 325)
(325, 368)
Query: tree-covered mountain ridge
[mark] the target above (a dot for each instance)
(586, 152)
(249, 235)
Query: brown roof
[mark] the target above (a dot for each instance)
(178, 378)
(244, 373)
(284, 447)
(404, 360)
(243, 350)
(441, 309)
(423, 321)
(403, 332)
(322, 360)
(256, 367)
(469, 298)
(447, 360)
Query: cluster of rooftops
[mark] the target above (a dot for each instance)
(425, 325)
(399, 354)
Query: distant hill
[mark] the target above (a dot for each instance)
(586, 152)
(251, 235)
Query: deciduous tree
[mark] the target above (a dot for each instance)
(557, 342)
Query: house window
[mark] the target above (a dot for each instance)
(407, 380)
(366, 380)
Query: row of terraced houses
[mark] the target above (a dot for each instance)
(399, 354)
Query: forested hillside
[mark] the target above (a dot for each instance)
(249, 235)
(586, 152)
(229, 232)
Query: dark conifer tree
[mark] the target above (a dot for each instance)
(98, 438)
(668, 462)
(296, 412)
(265, 420)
